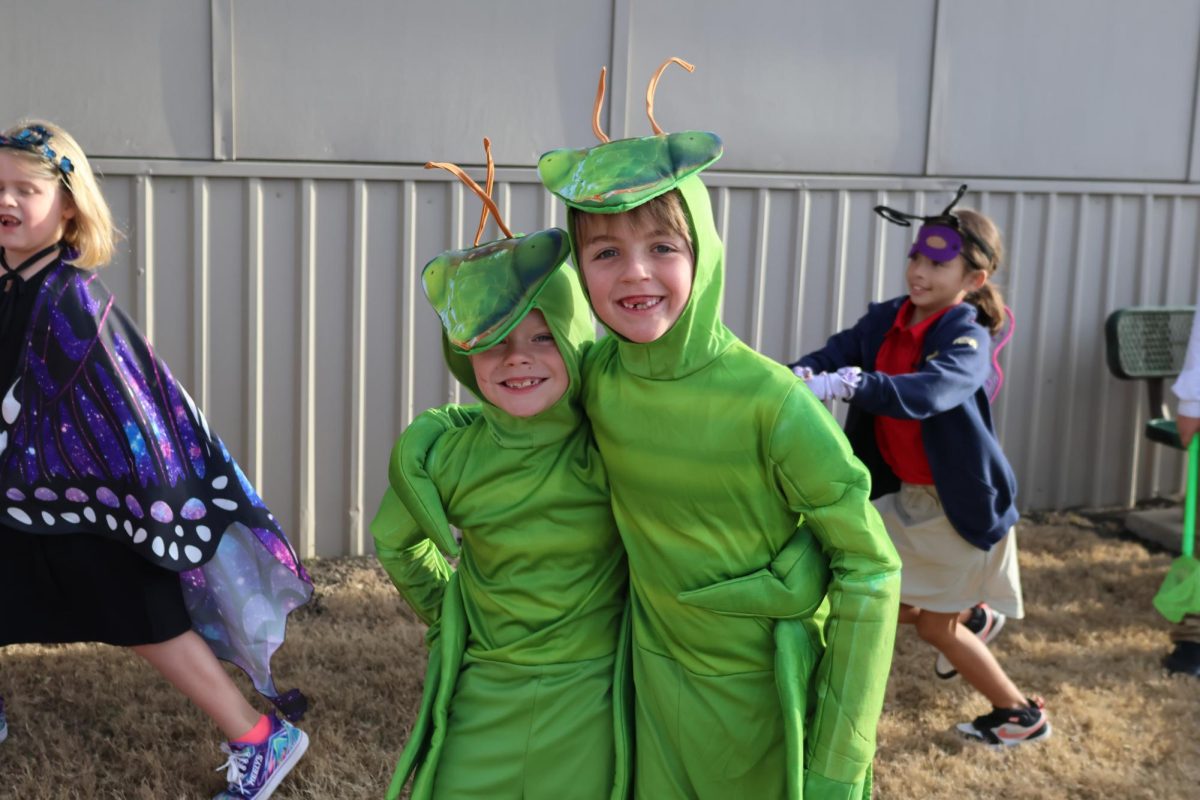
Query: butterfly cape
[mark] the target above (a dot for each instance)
(97, 436)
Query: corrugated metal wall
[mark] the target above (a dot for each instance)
(264, 157)
(286, 297)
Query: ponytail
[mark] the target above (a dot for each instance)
(987, 299)
(990, 304)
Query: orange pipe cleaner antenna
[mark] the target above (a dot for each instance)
(491, 178)
(457, 172)
(654, 85)
(597, 106)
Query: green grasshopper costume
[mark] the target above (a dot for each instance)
(524, 634)
(742, 510)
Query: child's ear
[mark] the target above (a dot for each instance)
(69, 207)
(976, 278)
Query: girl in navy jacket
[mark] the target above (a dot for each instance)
(915, 371)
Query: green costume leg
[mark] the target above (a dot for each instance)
(571, 739)
(703, 737)
(533, 733)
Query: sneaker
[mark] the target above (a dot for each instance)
(254, 771)
(1008, 727)
(1184, 659)
(984, 623)
(3, 722)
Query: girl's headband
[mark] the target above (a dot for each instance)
(34, 139)
(941, 236)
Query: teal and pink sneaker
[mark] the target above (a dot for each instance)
(255, 771)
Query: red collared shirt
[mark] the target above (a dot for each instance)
(899, 440)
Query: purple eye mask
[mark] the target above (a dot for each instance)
(937, 242)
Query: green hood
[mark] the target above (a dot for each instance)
(500, 293)
(617, 176)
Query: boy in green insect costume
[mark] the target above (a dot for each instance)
(739, 502)
(524, 633)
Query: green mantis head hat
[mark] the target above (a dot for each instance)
(616, 176)
(481, 293)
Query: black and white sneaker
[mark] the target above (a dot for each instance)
(1009, 727)
(984, 623)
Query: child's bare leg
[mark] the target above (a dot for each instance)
(190, 666)
(970, 657)
(909, 614)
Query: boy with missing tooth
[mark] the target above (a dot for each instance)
(740, 504)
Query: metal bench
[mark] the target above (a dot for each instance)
(1149, 343)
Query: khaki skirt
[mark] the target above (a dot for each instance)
(942, 571)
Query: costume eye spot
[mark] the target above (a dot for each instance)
(19, 516)
(936, 241)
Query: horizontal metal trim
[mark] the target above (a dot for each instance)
(296, 170)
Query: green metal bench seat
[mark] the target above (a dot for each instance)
(1149, 343)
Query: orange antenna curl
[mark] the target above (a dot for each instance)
(457, 172)
(491, 178)
(654, 86)
(600, 134)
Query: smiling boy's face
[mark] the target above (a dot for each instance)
(523, 374)
(638, 273)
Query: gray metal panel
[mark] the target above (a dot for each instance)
(1065, 88)
(804, 86)
(130, 78)
(397, 82)
(286, 298)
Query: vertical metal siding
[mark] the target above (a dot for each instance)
(287, 298)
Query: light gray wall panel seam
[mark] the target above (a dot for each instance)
(307, 433)
(255, 339)
(358, 370)
(761, 261)
(800, 248)
(144, 256)
(201, 379)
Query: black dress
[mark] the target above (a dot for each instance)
(75, 587)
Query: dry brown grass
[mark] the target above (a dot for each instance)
(94, 722)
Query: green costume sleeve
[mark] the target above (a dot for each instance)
(863, 592)
(411, 525)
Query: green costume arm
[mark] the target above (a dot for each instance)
(412, 562)
(864, 592)
(411, 525)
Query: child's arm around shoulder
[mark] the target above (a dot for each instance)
(410, 528)
(956, 364)
(821, 479)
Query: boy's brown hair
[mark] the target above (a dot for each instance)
(664, 212)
